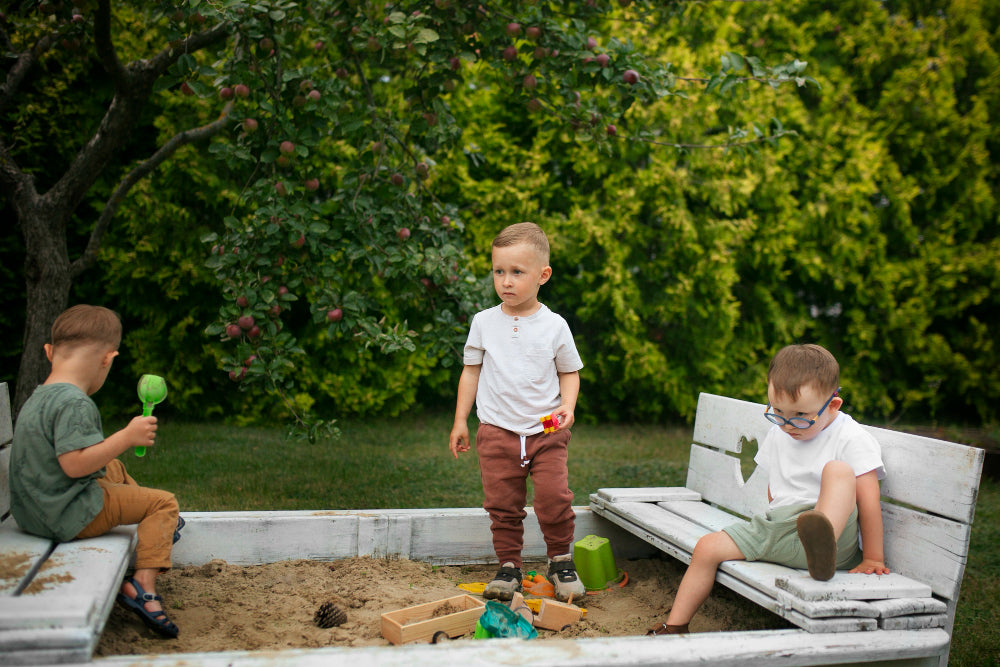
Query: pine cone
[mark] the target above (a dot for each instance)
(328, 615)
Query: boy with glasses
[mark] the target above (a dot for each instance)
(823, 488)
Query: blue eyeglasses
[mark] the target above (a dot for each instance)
(797, 422)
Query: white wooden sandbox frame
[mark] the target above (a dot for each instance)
(462, 536)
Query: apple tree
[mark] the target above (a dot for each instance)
(329, 121)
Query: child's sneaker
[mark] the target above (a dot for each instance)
(820, 544)
(504, 584)
(562, 574)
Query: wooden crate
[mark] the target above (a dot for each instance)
(419, 623)
(556, 616)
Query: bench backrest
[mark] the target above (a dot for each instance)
(6, 435)
(928, 496)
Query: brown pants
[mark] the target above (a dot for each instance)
(127, 503)
(505, 489)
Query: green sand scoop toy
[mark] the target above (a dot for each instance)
(152, 390)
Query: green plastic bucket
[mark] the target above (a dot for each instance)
(594, 562)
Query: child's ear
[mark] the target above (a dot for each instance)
(546, 274)
(109, 356)
(835, 404)
(49, 351)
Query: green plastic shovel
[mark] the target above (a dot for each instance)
(152, 390)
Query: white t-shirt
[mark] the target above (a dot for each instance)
(795, 468)
(521, 359)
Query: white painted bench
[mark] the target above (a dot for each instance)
(928, 503)
(54, 597)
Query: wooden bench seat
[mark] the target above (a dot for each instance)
(54, 597)
(927, 519)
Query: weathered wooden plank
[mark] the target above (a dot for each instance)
(774, 648)
(28, 611)
(889, 608)
(438, 536)
(23, 554)
(384, 536)
(608, 513)
(951, 491)
(653, 494)
(847, 586)
(827, 608)
(718, 478)
(926, 548)
(703, 514)
(666, 525)
(46, 646)
(6, 435)
(252, 538)
(917, 622)
(724, 423)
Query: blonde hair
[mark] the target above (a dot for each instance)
(524, 232)
(85, 324)
(797, 366)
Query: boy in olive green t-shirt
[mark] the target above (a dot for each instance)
(66, 481)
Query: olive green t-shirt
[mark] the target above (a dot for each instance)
(45, 501)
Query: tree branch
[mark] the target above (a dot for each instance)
(144, 168)
(133, 86)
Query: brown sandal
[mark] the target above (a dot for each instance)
(664, 629)
(820, 544)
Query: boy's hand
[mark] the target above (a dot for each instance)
(141, 431)
(868, 566)
(565, 415)
(458, 441)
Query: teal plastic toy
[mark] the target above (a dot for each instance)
(152, 390)
(499, 620)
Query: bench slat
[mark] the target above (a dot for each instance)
(654, 494)
(827, 608)
(724, 422)
(26, 611)
(909, 606)
(919, 622)
(703, 514)
(926, 548)
(22, 554)
(6, 435)
(951, 491)
(718, 478)
(81, 568)
(846, 586)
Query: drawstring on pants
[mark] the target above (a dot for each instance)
(524, 453)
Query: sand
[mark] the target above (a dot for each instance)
(223, 607)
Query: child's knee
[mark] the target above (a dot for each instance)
(837, 471)
(714, 548)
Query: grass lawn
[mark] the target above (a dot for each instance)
(405, 462)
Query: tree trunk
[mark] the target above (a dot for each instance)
(47, 280)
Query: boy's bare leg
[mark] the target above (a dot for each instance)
(837, 495)
(711, 550)
(820, 528)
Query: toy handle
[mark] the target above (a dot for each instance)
(147, 410)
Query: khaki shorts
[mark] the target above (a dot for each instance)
(774, 538)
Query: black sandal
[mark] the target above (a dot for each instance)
(157, 620)
(180, 524)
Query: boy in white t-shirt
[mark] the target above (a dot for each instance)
(823, 488)
(521, 364)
